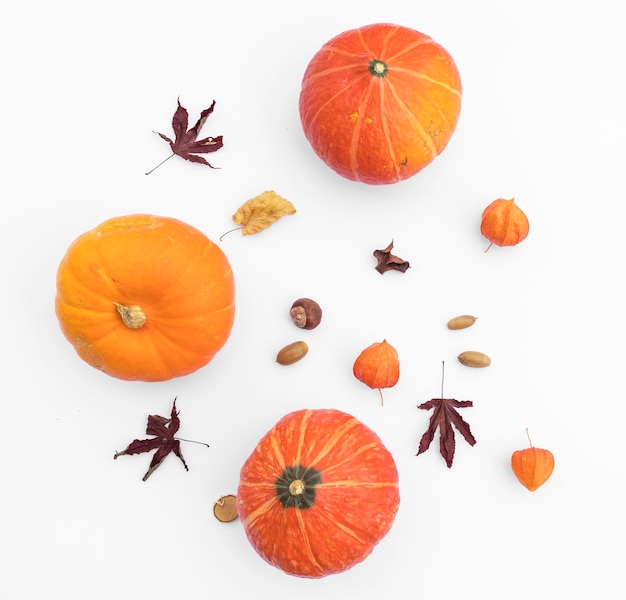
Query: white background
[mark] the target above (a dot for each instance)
(543, 120)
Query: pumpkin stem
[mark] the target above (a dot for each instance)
(132, 316)
(382, 400)
(377, 67)
(487, 248)
(296, 487)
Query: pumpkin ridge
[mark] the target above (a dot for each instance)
(306, 415)
(164, 336)
(364, 44)
(173, 288)
(384, 119)
(333, 439)
(426, 138)
(382, 55)
(307, 545)
(259, 512)
(356, 132)
(275, 446)
(423, 76)
(351, 483)
(422, 42)
(71, 280)
(332, 49)
(337, 95)
(333, 70)
(161, 352)
(342, 526)
(86, 310)
(351, 457)
(95, 347)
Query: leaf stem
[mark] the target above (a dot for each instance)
(192, 441)
(164, 160)
(230, 231)
(443, 366)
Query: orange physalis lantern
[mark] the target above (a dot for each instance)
(504, 223)
(532, 466)
(378, 366)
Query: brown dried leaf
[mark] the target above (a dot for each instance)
(389, 262)
(444, 416)
(164, 430)
(260, 212)
(186, 145)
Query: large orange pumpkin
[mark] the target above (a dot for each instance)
(380, 102)
(318, 493)
(144, 297)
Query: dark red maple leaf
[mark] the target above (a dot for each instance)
(186, 145)
(444, 416)
(388, 261)
(164, 441)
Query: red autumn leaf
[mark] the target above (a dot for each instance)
(164, 441)
(444, 416)
(186, 145)
(388, 261)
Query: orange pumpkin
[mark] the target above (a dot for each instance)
(380, 102)
(318, 493)
(143, 297)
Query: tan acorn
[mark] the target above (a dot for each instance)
(292, 353)
(461, 322)
(472, 358)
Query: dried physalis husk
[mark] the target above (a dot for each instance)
(225, 509)
(461, 322)
(472, 358)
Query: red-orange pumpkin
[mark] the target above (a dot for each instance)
(380, 102)
(318, 493)
(143, 297)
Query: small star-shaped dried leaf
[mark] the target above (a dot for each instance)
(164, 429)
(390, 262)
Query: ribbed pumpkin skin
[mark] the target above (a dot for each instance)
(380, 129)
(355, 501)
(181, 280)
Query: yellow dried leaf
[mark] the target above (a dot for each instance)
(260, 212)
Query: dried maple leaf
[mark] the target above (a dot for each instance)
(260, 212)
(164, 441)
(444, 416)
(388, 261)
(185, 143)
